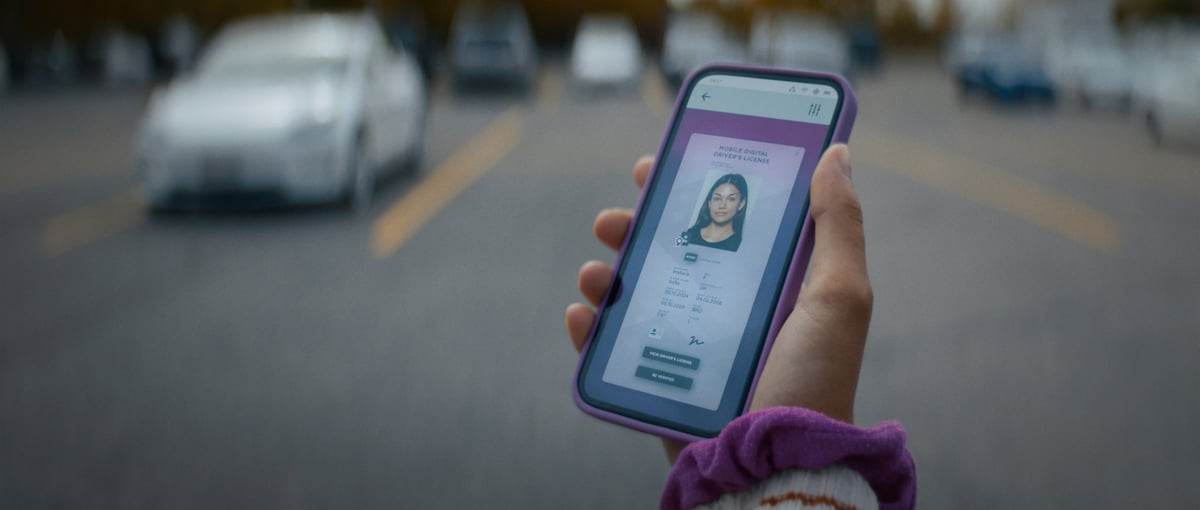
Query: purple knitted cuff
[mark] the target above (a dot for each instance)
(753, 447)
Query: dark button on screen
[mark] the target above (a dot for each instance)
(671, 358)
(666, 378)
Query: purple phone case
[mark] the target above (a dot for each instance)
(796, 269)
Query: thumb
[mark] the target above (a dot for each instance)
(839, 262)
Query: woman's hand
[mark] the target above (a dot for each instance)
(817, 356)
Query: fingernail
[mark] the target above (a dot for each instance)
(844, 160)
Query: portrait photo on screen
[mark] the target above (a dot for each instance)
(719, 217)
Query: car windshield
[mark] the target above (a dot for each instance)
(283, 67)
(495, 24)
(314, 47)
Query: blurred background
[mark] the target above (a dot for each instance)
(314, 254)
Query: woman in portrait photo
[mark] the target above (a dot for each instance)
(719, 224)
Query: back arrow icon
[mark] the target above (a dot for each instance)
(704, 96)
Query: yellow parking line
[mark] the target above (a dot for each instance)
(550, 92)
(408, 214)
(992, 188)
(90, 223)
(655, 94)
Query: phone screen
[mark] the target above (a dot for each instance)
(678, 342)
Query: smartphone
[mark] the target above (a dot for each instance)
(717, 250)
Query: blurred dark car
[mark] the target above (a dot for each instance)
(116, 57)
(1006, 72)
(177, 45)
(492, 45)
(3, 70)
(866, 48)
(51, 63)
(407, 30)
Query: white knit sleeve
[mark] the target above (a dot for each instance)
(835, 487)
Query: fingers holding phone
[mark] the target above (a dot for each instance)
(816, 358)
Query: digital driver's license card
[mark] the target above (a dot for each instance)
(688, 311)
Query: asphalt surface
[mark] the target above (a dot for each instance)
(1037, 321)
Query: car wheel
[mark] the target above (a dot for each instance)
(160, 207)
(1155, 130)
(158, 203)
(965, 91)
(362, 184)
(412, 160)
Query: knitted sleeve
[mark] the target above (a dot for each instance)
(835, 488)
(757, 446)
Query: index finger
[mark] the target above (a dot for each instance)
(641, 169)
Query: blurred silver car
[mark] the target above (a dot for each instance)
(799, 41)
(696, 38)
(1172, 111)
(606, 51)
(300, 108)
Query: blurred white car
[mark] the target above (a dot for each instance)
(1153, 54)
(1091, 65)
(797, 41)
(301, 107)
(697, 38)
(1173, 105)
(606, 51)
(1104, 77)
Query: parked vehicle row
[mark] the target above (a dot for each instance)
(781, 38)
(999, 67)
(796, 40)
(110, 54)
(1152, 77)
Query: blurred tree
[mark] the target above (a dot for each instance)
(902, 25)
(945, 19)
(1130, 10)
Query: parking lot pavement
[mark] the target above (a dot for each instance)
(1035, 324)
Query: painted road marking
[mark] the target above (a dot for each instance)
(549, 92)
(655, 93)
(90, 223)
(406, 216)
(993, 188)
